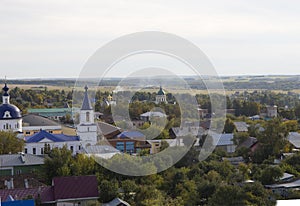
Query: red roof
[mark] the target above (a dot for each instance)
(73, 187)
(22, 193)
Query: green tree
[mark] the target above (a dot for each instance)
(229, 126)
(108, 190)
(10, 143)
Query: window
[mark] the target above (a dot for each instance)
(50, 131)
(33, 150)
(25, 151)
(120, 146)
(79, 148)
(87, 116)
(129, 147)
(42, 150)
(27, 132)
(71, 148)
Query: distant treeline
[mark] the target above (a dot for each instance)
(265, 83)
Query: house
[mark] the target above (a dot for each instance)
(54, 113)
(272, 111)
(284, 188)
(156, 144)
(234, 160)
(16, 164)
(38, 143)
(146, 117)
(224, 142)
(294, 139)
(33, 123)
(250, 143)
(64, 190)
(102, 151)
(130, 142)
(241, 126)
(177, 132)
(116, 202)
(108, 130)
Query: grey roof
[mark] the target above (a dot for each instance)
(294, 184)
(10, 160)
(184, 131)
(117, 202)
(107, 129)
(241, 126)
(153, 114)
(294, 139)
(222, 139)
(249, 142)
(286, 176)
(36, 120)
(86, 104)
(234, 160)
(101, 149)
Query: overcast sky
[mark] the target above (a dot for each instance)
(54, 38)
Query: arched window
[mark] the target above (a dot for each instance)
(87, 116)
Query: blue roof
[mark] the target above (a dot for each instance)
(131, 134)
(12, 110)
(53, 137)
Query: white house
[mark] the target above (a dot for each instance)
(39, 142)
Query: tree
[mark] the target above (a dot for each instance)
(270, 174)
(108, 190)
(129, 188)
(58, 163)
(227, 195)
(10, 143)
(229, 126)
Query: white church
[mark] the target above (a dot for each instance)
(11, 120)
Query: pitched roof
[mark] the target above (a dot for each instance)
(160, 91)
(222, 139)
(153, 114)
(248, 143)
(131, 134)
(107, 129)
(86, 104)
(36, 120)
(117, 202)
(184, 131)
(294, 139)
(75, 187)
(19, 194)
(9, 160)
(241, 126)
(52, 137)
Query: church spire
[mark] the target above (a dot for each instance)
(86, 104)
(5, 97)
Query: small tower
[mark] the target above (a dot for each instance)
(161, 96)
(87, 129)
(10, 115)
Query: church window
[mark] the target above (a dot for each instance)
(71, 148)
(87, 116)
(25, 151)
(34, 150)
